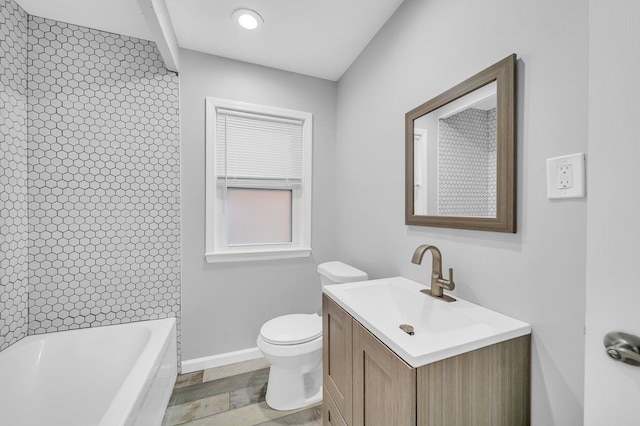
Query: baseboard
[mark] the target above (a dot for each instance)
(197, 364)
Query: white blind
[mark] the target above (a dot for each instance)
(253, 146)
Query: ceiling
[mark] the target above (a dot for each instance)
(320, 38)
(115, 16)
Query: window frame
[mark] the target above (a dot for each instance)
(216, 249)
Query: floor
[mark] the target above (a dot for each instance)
(232, 395)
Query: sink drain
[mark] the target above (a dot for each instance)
(407, 329)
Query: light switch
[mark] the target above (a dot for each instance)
(565, 176)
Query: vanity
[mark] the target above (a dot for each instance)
(395, 356)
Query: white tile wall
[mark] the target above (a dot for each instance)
(467, 164)
(13, 174)
(103, 170)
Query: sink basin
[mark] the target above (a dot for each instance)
(441, 329)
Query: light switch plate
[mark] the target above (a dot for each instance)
(565, 176)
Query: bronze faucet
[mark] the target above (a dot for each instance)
(438, 284)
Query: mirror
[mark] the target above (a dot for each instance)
(460, 154)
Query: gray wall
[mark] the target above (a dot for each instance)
(225, 304)
(14, 236)
(536, 275)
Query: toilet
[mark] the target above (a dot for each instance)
(293, 345)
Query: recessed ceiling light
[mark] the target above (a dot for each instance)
(247, 18)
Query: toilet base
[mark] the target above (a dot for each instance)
(289, 389)
(295, 377)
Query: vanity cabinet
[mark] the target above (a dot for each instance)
(366, 383)
(337, 356)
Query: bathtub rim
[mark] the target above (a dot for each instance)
(136, 385)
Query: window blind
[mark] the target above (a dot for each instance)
(258, 147)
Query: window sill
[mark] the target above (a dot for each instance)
(262, 254)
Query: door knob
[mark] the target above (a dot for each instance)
(623, 347)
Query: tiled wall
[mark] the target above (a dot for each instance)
(13, 174)
(467, 164)
(492, 128)
(89, 178)
(103, 170)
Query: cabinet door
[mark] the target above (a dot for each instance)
(337, 355)
(384, 386)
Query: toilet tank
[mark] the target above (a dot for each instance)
(338, 272)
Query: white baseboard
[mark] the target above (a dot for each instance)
(197, 364)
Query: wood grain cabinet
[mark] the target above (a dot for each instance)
(366, 383)
(337, 356)
(330, 413)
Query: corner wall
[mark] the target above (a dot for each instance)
(14, 236)
(536, 275)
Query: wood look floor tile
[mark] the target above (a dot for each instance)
(220, 386)
(194, 410)
(307, 417)
(250, 415)
(247, 396)
(234, 369)
(231, 396)
(189, 379)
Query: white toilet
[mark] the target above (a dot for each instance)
(293, 345)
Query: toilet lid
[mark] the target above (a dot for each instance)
(292, 329)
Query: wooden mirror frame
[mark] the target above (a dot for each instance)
(503, 73)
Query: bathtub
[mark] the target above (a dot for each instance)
(106, 376)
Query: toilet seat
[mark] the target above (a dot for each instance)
(292, 329)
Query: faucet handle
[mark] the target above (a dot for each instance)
(447, 284)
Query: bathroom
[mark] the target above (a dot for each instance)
(570, 99)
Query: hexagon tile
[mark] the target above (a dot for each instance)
(467, 164)
(104, 177)
(14, 233)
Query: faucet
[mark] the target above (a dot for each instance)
(438, 284)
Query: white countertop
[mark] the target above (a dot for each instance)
(442, 329)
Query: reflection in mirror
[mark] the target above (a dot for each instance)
(460, 154)
(455, 157)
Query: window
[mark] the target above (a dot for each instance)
(258, 182)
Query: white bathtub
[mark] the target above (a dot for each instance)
(106, 376)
